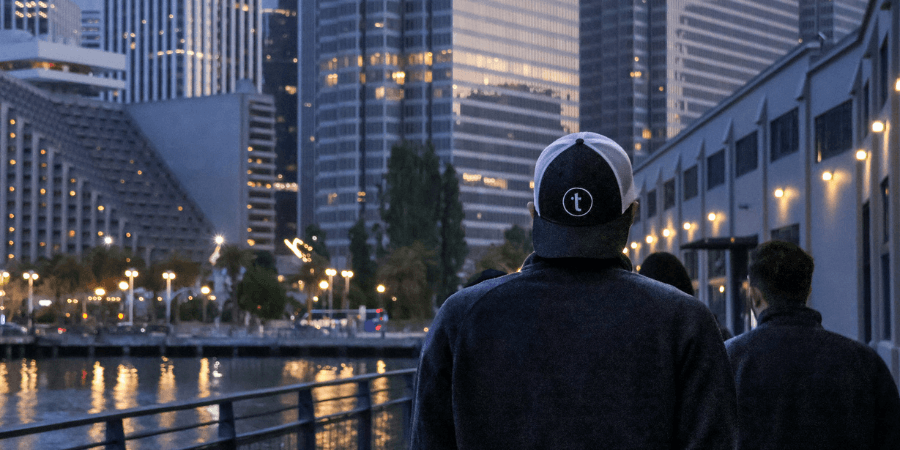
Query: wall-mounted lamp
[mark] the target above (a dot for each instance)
(861, 155)
(897, 85)
(779, 193)
(827, 176)
(877, 126)
(711, 217)
(634, 245)
(649, 239)
(667, 232)
(687, 226)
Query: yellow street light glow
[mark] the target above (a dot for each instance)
(897, 85)
(779, 193)
(878, 126)
(667, 232)
(722, 289)
(323, 285)
(204, 290)
(827, 176)
(380, 289)
(687, 226)
(100, 292)
(330, 272)
(711, 217)
(634, 245)
(861, 155)
(649, 239)
(625, 250)
(219, 239)
(123, 285)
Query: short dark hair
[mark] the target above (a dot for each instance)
(665, 267)
(782, 272)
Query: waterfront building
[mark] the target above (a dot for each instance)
(808, 151)
(222, 150)
(76, 171)
(57, 67)
(648, 69)
(488, 83)
(183, 48)
(91, 24)
(280, 80)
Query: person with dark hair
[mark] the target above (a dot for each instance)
(800, 386)
(575, 351)
(667, 268)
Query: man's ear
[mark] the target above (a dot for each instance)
(531, 209)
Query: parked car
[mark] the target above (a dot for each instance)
(12, 329)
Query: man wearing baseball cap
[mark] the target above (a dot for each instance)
(575, 351)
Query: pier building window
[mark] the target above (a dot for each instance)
(689, 182)
(651, 204)
(715, 170)
(784, 135)
(669, 194)
(883, 84)
(867, 273)
(834, 131)
(746, 153)
(790, 233)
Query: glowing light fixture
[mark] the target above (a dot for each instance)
(827, 176)
(711, 217)
(878, 126)
(634, 245)
(687, 226)
(649, 239)
(667, 232)
(779, 193)
(861, 155)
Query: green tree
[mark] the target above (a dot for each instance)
(509, 255)
(405, 275)
(409, 207)
(260, 293)
(315, 237)
(310, 275)
(361, 262)
(235, 259)
(453, 248)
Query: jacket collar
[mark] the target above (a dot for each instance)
(618, 260)
(791, 316)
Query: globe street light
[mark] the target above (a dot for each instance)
(168, 276)
(131, 274)
(31, 277)
(323, 285)
(205, 291)
(108, 240)
(331, 273)
(100, 292)
(380, 289)
(347, 274)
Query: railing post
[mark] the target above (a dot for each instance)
(226, 425)
(306, 412)
(364, 427)
(115, 435)
(409, 392)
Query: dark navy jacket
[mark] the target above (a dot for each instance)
(802, 387)
(573, 354)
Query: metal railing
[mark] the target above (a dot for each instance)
(362, 412)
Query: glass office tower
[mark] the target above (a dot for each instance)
(488, 83)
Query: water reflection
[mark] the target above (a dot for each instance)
(63, 388)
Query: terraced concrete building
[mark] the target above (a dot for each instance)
(77, 171)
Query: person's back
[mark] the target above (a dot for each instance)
(799, 385)
(574, 352)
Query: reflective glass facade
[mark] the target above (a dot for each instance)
(488, 83)
(649, 68)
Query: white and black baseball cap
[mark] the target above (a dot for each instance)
(583, 185)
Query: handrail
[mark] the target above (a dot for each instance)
(304, 404)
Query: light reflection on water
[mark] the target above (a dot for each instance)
(63, 388)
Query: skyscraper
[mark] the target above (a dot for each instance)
(488, 83)
(50, 20)
(280, 81)
(649, 68)
(184, 48)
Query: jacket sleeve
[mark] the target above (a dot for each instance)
(707, 403)
(433, 425)
(887, 414)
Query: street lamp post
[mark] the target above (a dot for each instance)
(205, 291)
(168, 276)
(347, 274)
(331, 273)
(380, 289)
(31, 277)
(100, 292)
(322, 285)
(131, 274)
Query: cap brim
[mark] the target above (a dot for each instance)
(552, 240)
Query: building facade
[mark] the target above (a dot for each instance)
(649, 69)
(488, 83)
(49, 20)
(280, 80)
(809, 152)
(222, 149)
(184, 48)
(76, 171)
